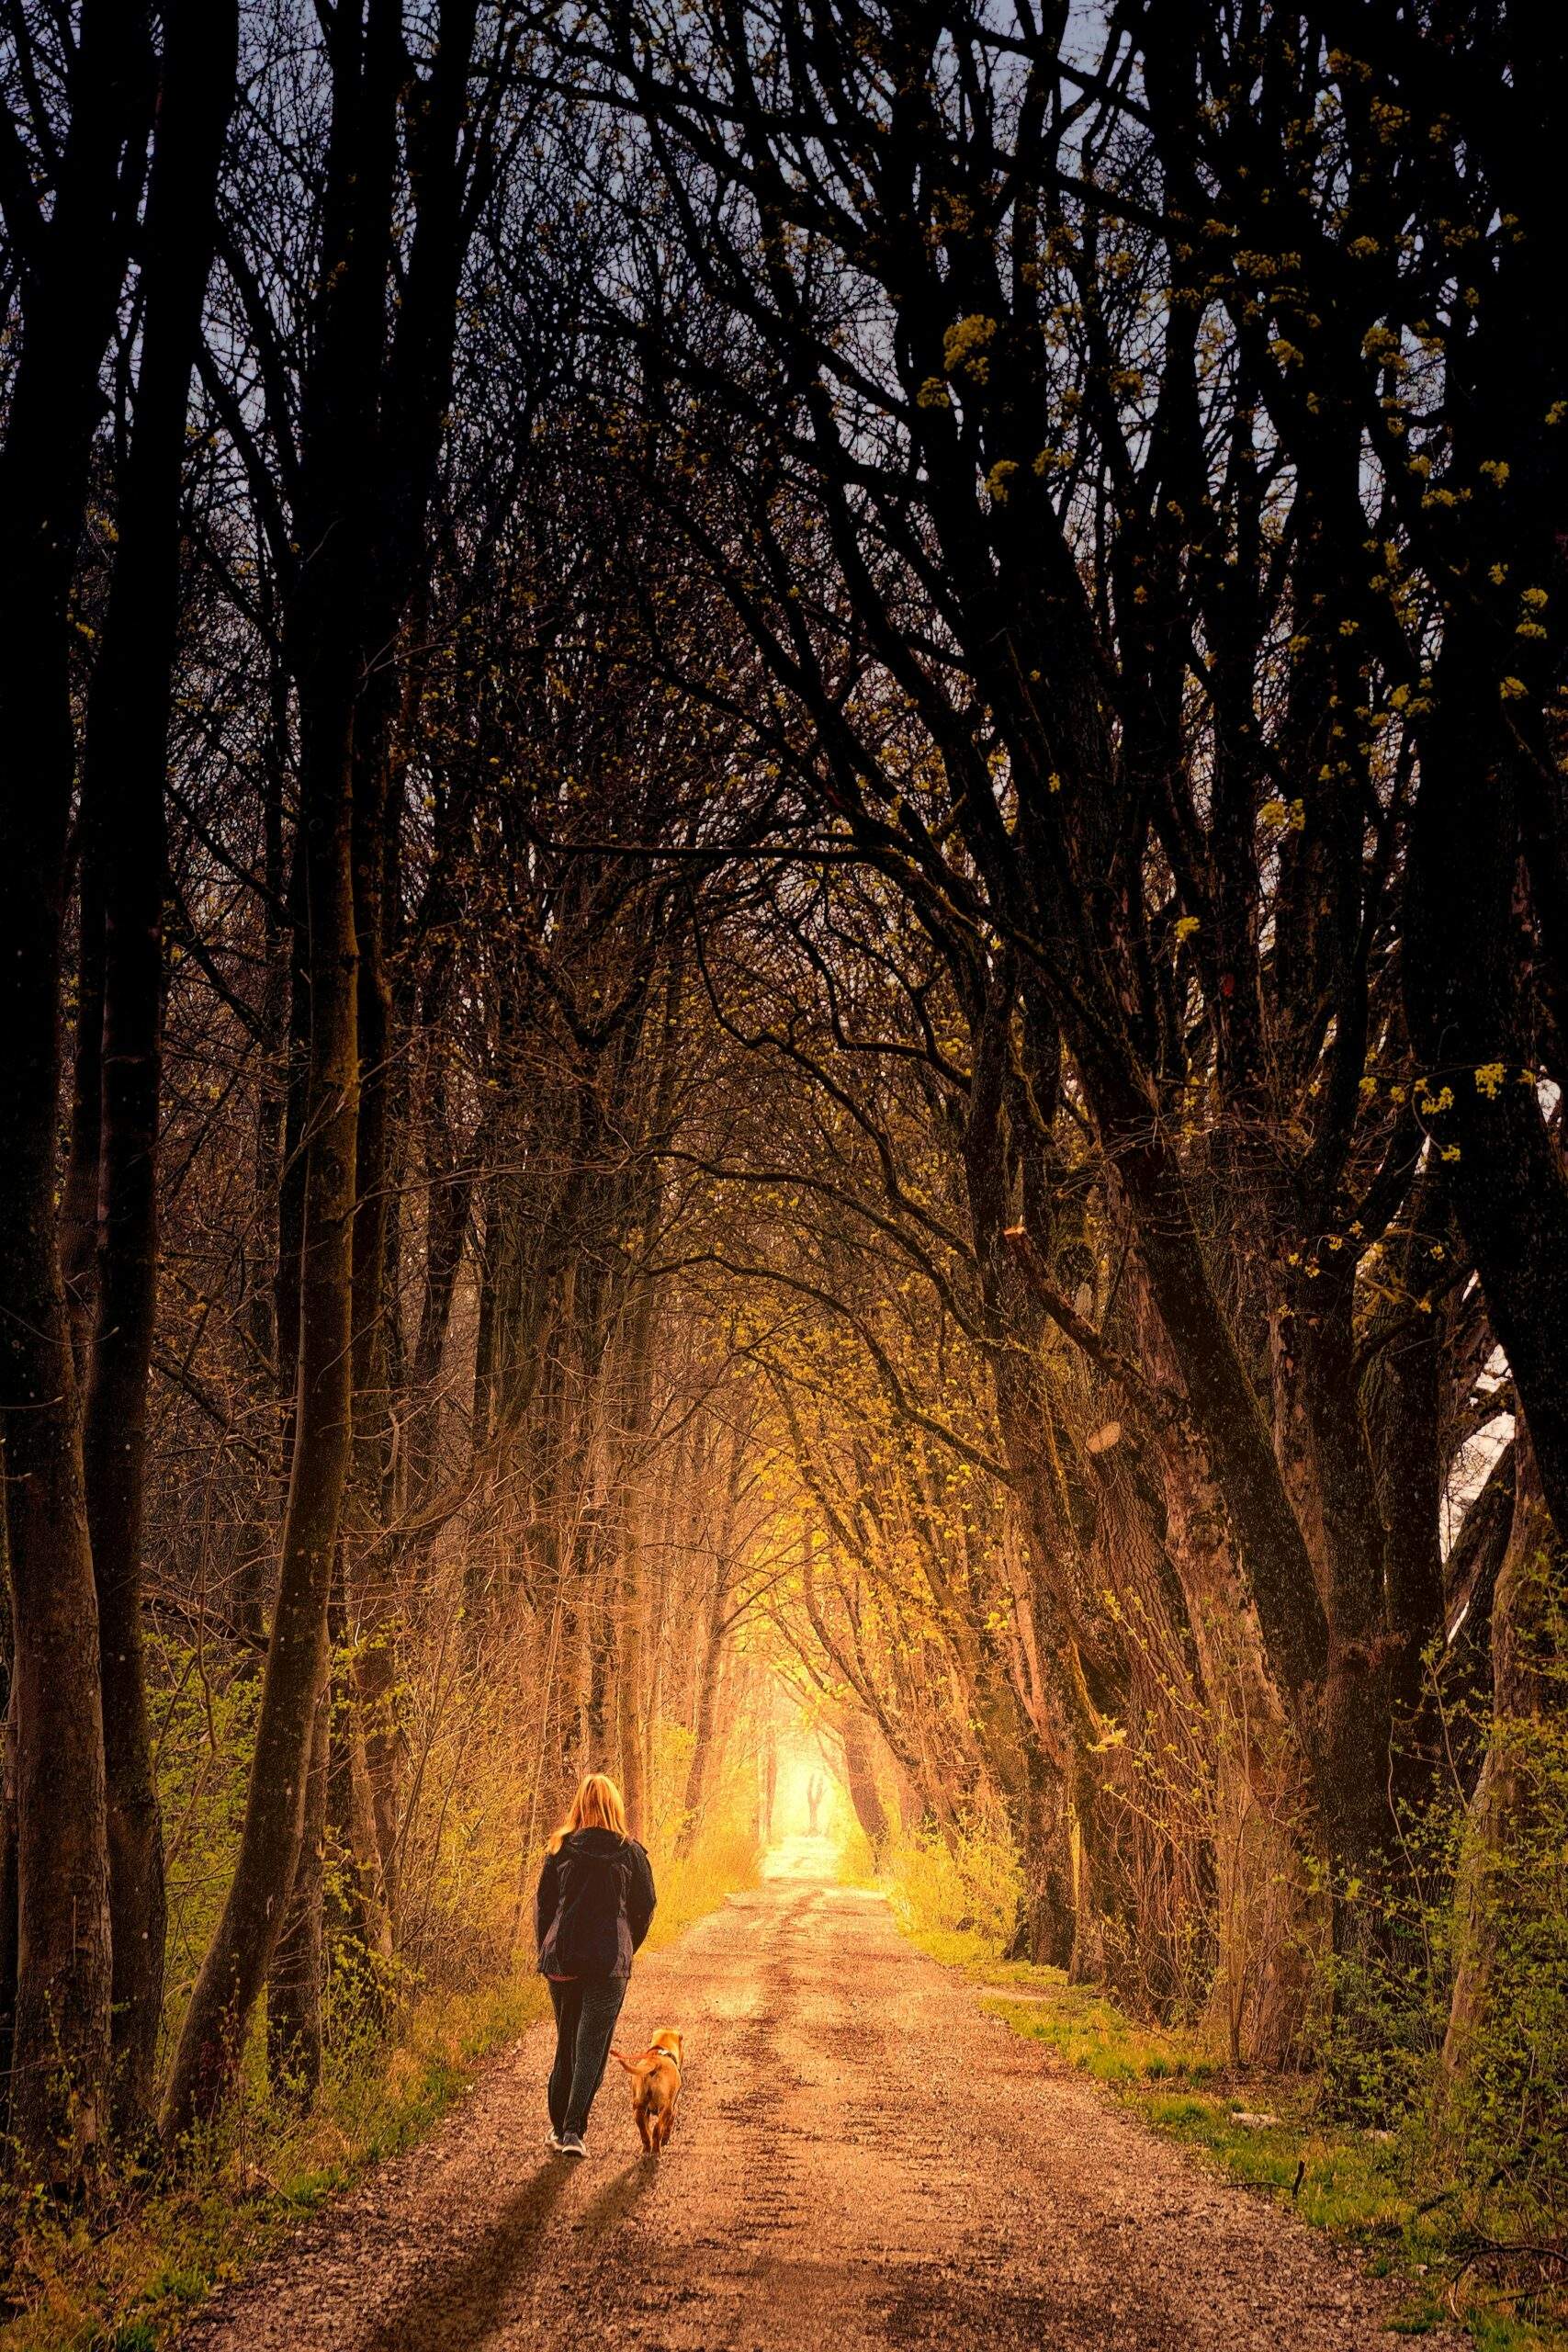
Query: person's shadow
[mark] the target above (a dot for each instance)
(454, 2308)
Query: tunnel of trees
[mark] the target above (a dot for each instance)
(784, 941)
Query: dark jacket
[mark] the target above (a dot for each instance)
(593, 1906)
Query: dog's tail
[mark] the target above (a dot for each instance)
(629, 2063)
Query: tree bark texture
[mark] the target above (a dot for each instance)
(126, 754)
(297, 1983)
(860, 1776)
(77, 260)
(328, 650)
(238, 1960)
(710, 1642)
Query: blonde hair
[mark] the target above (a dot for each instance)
(598, 1804)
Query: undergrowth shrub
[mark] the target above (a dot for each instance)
(967, 1885)
(724, 1859)
(203, 1727)
(1508, 2116)
(1382, 1993)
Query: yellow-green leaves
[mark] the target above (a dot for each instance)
(964, 347)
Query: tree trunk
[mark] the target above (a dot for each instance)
(1260, 1804)
(60, 2059)
(710, 1650)
(240, 1955)
(448, 1210)
(1038, 1797)
(254, 1550)
(630, 1692)
(374, 1605)
(375, 1679)
(1325, 1461)
(79, 1189)
(8, 1893)
(631, 1673)
(1048, 1931)
(598, 1636)
(128, 735)
(697, 1771)
(859, 1777)
(326, 635)
(298, 1977)
(769, 1782)
(291, 1175)
(1401, 1401)
(360, 1932)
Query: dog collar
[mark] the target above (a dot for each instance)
(669, 2055)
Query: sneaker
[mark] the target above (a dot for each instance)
(552, 2139)
(572, 2144)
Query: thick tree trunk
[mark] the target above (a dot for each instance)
(1049, 1931)
(62, 2040)
(1321, 1604)
(1218, 1394)
(1326, 1466)
(592, 1727)
(336, 524)
(291, 1175)
(1260, 1805)
(127, 740)
(859, 1777)
(241, 1952)
(1401, 1401)
(61, 2065)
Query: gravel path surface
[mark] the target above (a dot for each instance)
(861, 2157)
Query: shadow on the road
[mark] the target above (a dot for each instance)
(455, 2307)
(613, 2203)
(456, 2304)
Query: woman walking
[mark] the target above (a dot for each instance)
(593, 1910)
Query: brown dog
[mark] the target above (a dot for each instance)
(656, 2087)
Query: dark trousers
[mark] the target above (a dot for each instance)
(585, 2018)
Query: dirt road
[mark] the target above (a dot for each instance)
(862, 2158)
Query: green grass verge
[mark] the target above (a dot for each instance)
(1371, 2190)
(123, 2280)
